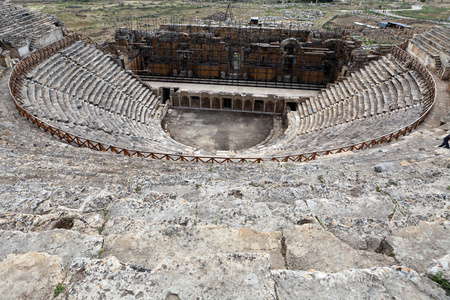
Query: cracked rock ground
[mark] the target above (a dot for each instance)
(110, 227)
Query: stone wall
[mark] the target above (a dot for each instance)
(234, 53)
(271, 104)
(432, 48)
(427, 59)
(5, 59)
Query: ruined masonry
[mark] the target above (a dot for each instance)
(82, 224)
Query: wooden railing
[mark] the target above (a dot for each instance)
(28, 63)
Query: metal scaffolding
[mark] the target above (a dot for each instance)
(229, 53)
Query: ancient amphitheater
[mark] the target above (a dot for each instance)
(299, 214)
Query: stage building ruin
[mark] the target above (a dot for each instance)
(236, 55)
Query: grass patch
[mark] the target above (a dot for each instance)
(98, 19)
(100, 230)
(426, 13)
(105, 219)
(373, 13)
(58, 289)
(371, 42)
(442, 282)
(320, 178)
(40, 202)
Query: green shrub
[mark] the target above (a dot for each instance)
(320, 178)
(442, 282)
(59, 289)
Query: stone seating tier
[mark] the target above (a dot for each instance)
(339, 135)
(81, 91)
(395, 87)
(434, 41)
(23, 22)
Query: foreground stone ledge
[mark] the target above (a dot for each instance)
(66, 244)
(416, 246)
(233, 276)
(30, 276)
(440, 266)
(396, 282)
(311, 247)
(155, 242)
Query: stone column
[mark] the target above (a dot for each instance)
(5, 59)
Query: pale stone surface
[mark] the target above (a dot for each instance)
(393, 282)
(66, 244)
(21, 222)
(227, 210)
(294, 93)
(150, 244)
(29, 276)
(43, 180)
(441, 266)
(222, 276)
(359, 233)
(383, 167)
(417, 246)
(372, 204)
(83, 223)
(311, 247)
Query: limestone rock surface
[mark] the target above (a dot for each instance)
(311, 247)
(29, 276)
(383, 167)
(441, 266)
(222, 276)
(149, 244)
(177, 230)
(417, 246)
(394, 282)
(66, 244)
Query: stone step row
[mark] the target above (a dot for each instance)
(364, 79)
(398, 92)
(340, 134)
(434, 41)
(97, 101)
(25, 23)
(439, 37)
(390, 87)
(84, 119)
(438, 43)
(129, 97)
(22, 22)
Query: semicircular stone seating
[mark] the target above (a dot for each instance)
(23, 29)
(85, 93)
(374, 101)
